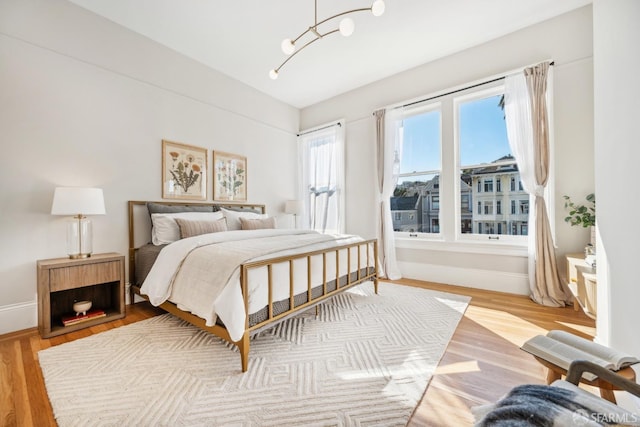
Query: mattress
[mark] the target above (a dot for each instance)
(180, 275)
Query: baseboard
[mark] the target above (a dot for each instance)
(16, 317)
(513, 283)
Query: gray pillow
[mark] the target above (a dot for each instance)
(238, 209)
(159, 208)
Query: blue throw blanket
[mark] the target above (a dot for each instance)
(562, 404)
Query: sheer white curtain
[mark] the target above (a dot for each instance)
(389, 155)
(527, 130)
(321, 155)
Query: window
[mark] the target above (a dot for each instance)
(322, 183)
(418, 187)
(485, 156)
(482, 181)
(464, 203)
(524, 207)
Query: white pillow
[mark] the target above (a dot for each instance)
(233, 218)
(165, 229)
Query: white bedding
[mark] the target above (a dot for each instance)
(208, 295)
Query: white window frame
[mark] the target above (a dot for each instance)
(450, 238)
(338, 129)
(493, 239)
(419, 109)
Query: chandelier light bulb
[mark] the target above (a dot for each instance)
(377, 8)
(347, 26)
(287, 46)
(273, 74)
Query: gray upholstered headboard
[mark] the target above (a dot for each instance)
(140, 219)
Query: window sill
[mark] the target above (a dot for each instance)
(472, 247)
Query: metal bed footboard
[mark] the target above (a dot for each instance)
(366, 251)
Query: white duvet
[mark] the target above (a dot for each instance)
(201, 274)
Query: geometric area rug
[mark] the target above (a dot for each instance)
(364, 360)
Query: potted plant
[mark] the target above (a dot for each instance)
(582, 214)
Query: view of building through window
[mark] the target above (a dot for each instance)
(492, 200)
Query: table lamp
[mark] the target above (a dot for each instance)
(78, 202)
(293, 207)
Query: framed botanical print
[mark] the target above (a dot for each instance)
(229, 177)
(184, 171)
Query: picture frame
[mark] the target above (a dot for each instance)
(229, 177)
(184, 171)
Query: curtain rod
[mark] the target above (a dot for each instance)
(495, 79)
(320, 128)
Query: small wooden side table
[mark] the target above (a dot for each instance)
(555, 372)
(61, 281)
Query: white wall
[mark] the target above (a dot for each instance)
(567, 40)
(85, 102)
(617, 150)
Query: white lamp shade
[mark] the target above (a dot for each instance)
(77, 200)
(287, 46)
(347, 26)
(377, 8)
(293, 207)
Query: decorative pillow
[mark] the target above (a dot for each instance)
(165, 229)
(190, 228)
(257, 224)
(233, 217)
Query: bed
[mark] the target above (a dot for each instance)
(225, 269)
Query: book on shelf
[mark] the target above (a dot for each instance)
(90, 315)
(561, 348)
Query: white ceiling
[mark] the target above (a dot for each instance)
(242, 38)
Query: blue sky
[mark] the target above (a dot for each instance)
(483, 136)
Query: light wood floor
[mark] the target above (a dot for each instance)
(482, 361)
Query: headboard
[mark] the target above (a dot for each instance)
(140, 222)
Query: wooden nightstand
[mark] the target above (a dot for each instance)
(63, 281)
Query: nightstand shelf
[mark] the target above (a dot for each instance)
(63, 281)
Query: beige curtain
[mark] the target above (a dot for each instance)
(387, 163)
(528, 131)
(548, 289)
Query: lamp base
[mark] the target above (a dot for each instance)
(79, 238)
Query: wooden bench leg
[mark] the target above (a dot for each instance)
(552, 376)
(608, 395)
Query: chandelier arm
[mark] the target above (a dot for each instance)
(300, 50)
(329, 32)
(301, 35)
(315, 26)
(343, 13)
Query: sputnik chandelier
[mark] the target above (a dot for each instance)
(346, 28)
